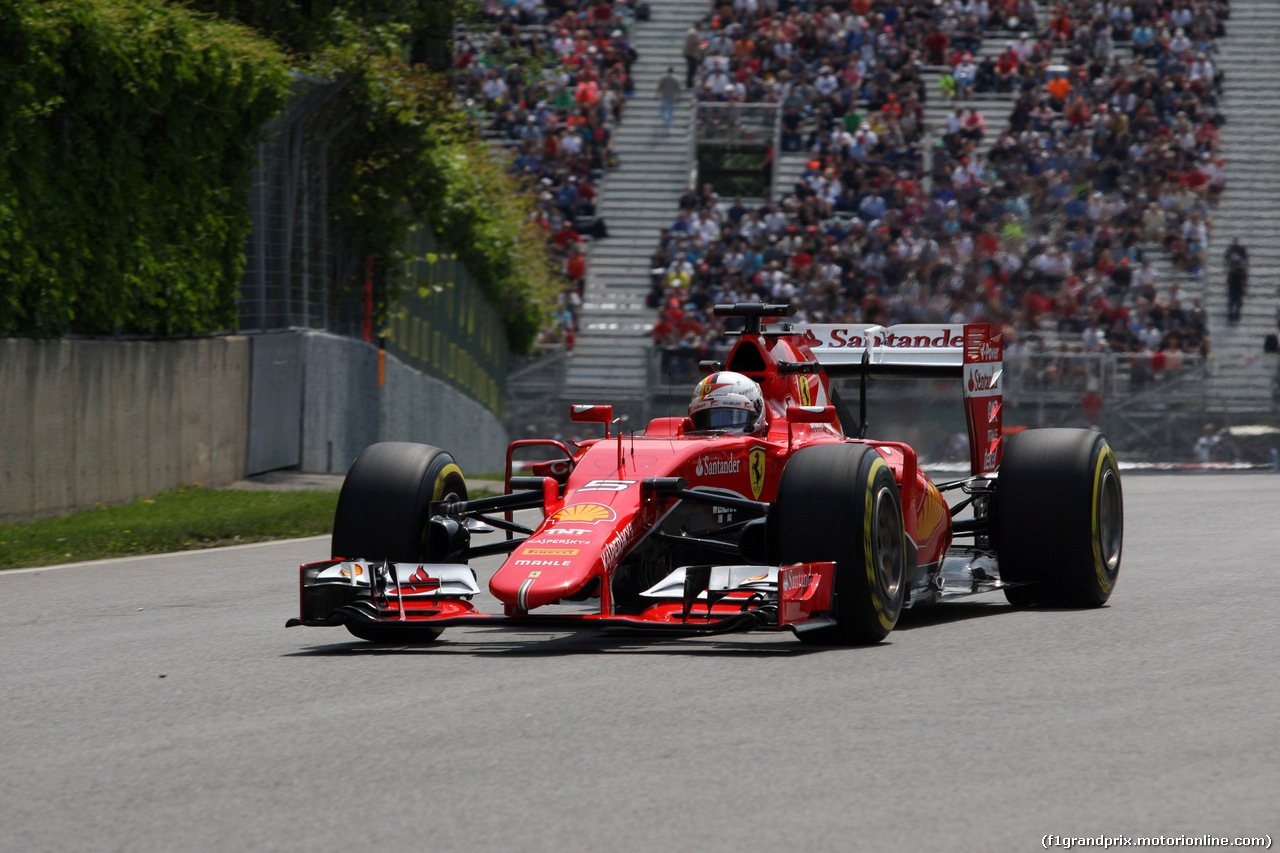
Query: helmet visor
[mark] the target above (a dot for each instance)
(730, 419)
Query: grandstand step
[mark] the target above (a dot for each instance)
(636, 197)
(618, 324)
(621, 281)
(587, 363)
(605, 387)
(670, 166)
(1243, 376)
(623, 311)
(601, 361)
(643, 240)
(620, 261)
(621, 257)
(593, 367)
(629, 263)
(636, 200)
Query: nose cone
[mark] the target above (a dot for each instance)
(527, 580)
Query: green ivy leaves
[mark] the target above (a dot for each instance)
(127, 134)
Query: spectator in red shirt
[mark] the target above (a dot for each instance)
(565, 237)
(935, 45)
(575, 266)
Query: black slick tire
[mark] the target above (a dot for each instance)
(1058, 518)
(840, 502)
(383, 507)
(382, 514)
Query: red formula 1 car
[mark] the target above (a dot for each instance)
(697, 526)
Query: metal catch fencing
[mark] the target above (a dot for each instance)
(291, 260)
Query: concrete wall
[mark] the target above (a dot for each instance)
(86, 422)
(419, 408)
(344, 410)
(83, 422)
(340, 401)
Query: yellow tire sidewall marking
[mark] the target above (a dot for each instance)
(1099, 565)
(869, 561)
(438, 489)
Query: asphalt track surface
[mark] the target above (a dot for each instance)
(160, 704)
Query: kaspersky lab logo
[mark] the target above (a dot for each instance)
(711, 467)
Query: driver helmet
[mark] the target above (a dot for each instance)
(727, 401)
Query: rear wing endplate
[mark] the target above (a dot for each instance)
(971, 352)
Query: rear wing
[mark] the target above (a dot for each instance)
(971, 352)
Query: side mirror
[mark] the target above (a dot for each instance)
(556, 468)
(811, 414)
(592, 415)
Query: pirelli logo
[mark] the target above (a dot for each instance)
(550, 552)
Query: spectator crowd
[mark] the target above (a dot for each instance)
(548, 79)
(1049, 223)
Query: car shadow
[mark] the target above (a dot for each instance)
(491, 644)
(955, 611)
(510, 643)
(942, 614)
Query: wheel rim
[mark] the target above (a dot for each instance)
(886, 525)
(454, 489)
(1110, 521)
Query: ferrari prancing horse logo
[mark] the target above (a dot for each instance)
(755, 470)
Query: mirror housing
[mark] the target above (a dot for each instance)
(591, 414)
(811, 414)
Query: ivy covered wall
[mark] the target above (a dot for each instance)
(126, 142)
(127, 133)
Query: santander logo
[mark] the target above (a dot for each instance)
(979, 381)
(709, 467)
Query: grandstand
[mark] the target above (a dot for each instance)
(1222, 368)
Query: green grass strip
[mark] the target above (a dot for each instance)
(179, 520)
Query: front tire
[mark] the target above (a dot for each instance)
(840, 502)
(383, 511)
(1058, 518)
(384, 505)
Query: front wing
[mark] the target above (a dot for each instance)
(692, 600)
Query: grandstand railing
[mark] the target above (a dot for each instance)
(1130, 380)
(534, 393)
(1150, 412)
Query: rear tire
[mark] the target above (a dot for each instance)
(839, 502)
(1058, 518)
(382, 514)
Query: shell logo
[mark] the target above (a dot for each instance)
(346, 573)
(584, 514)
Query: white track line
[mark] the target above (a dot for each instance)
(168, 554)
